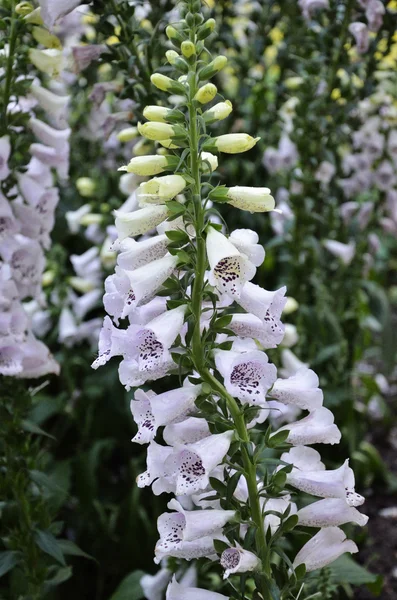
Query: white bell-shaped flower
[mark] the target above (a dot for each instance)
(330, 512)
(345, 252)
(112, 342)
(247, 375)
(127, 290)
(189, 533)
(309, 475)
(147, 356)
(268, 307)
(151, 411)
(53, 104)
(250, 326)
(238, 560)
(175, 591)
(160, 189)
(246, 241)
(8, 223)
(154, 586)
(317, 428)
(300, 390)
(5, 151)
(325, 547)
(230, 269)
(134, 254)
(189, 431)
(190, 465)
(52, 10)
(139, 221)
(56, 138)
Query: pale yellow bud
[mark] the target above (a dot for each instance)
(157, 131)
(85, 186)
(147, 166)
(291, 306)
(91, 219)
(128, 134)
(166, 84)
(209, 162)
(142, 147)
(171, 56)
(156, 113)
(231, 143)
(206, 93)
(218, 112)
(24, 8)
(34, 17)
(47, 278)
(160, 189)
(188, 49)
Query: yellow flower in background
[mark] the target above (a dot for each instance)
(270, 55)
(113, 39)
(276, 35)
(47, 39)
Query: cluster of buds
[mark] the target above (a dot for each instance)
(186, 298)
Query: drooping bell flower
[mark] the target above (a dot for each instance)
(325, 547)
(330, 512)
(247, 375)
(238, 560)
(189, 431)
(137, 254)
(317, 428)
(300, 390)
(175, 591)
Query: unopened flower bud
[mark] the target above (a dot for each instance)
(157, 131)
(142, 147)
(156, 113)
(147, 166)
(166, 84)
(245, 198)
(128, 134)
(34, 17)
(206, 93)
(171, 56)
(85, 186)
(206, 29)
(218, 112)
(91, 219)
(231, 143)
(290, 306)
(188, 48)
(174, 36)
(24, 8)
(213, 67)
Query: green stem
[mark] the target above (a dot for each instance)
(197, 346)
(9, 67)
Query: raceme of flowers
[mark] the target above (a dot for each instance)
(182, 302)
(28, 201)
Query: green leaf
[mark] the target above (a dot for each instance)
(8, 560)
(129, 588)
(278, 438)
(70, 548)
(61, 575)
(33, 428)
(176, 235)
(48, 544)
(220, 546)
(346, 570)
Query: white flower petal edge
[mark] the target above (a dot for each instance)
(175, 591)
(325, 547)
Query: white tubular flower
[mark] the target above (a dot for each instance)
(291, 336)
(345, 252)
(160, 189)
(291, 363)
(247, 376)
(112, 342)
(218, 112)
(134, 254)
(73, 217)
(49, 61)
(151, 411)
(360, 33)
(154, 586)
(52, 10)
(267, 306)
(55, 106)
(317, 428)
(229, 268)
(175, 591)
(56, 138)
(147, 166)
(8, 224)
(301, 390)
(330, 512)
(127, 290)
(147, 352)
(189, 431)
(246, 241)
(309, 475)
(278, 505)
(5, 151)
(250, 326)
(190, 525)
(237, 560)
(325, 547)
(140, 221)
(156, 131)
(251, 199)
(190, 465)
